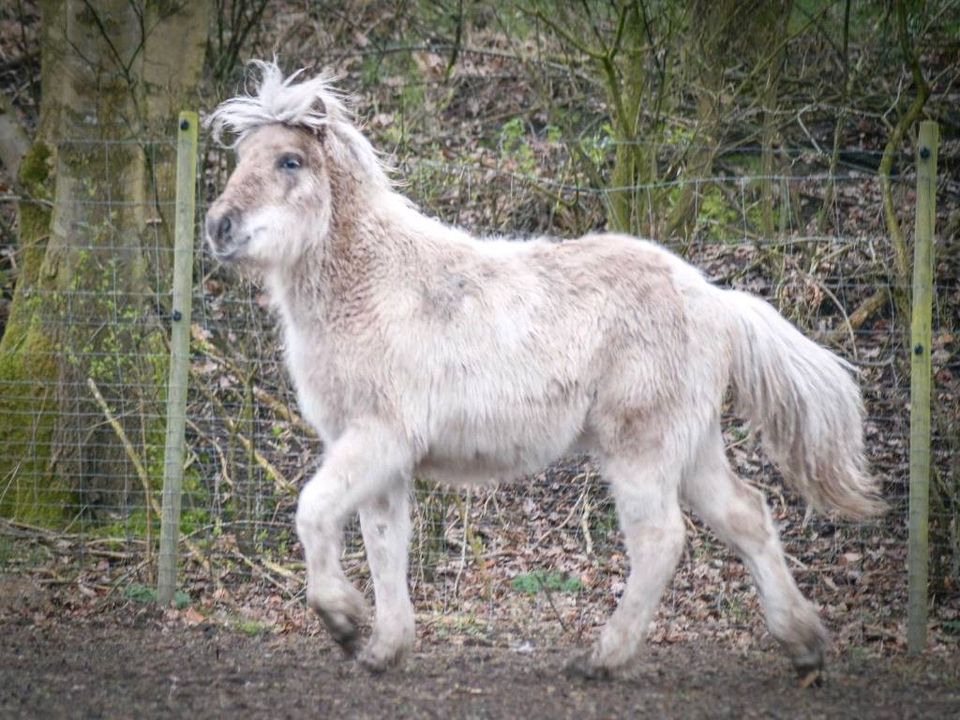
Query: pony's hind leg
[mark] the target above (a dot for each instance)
(652, 525)
(363, 463)
(385, 523)
(738, 514)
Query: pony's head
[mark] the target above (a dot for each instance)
(298, 152)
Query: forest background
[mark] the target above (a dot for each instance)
(770, 142)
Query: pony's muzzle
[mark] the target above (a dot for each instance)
(221, 230)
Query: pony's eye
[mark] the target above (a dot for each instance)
(290, 162)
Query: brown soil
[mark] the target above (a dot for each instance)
(132, 661)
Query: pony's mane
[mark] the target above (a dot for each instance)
(312, 104)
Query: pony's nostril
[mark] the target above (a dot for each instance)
(219, 228)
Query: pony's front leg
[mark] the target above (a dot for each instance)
(385, 522)
(360, 465)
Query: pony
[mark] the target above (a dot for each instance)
(419, 350)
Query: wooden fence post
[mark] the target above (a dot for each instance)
(184, 224)
(920, 380)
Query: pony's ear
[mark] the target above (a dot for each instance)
(319, 108)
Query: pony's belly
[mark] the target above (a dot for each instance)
(497, 451)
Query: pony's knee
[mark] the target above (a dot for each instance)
(312, 508)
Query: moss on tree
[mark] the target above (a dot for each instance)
(84, 307)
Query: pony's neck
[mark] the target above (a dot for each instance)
(373, 234)
(345, 273)
(293, 290)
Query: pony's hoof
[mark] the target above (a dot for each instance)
(586, 667)
(344, 631)
(343, 613)
(812, 678)
(810, 669)
(377, 659)
(389, 644)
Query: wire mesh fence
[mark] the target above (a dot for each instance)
(89, 342)
(87, 448)
(560, 527)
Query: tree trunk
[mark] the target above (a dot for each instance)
(93, 239)
(631, 206)
(775, 17)
(621, 43)
(705, 54)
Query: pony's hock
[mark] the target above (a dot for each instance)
(418, 349)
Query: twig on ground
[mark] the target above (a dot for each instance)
(262, 572)
(866, 310)
(549, 593)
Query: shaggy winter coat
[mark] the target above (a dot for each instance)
(417, 349)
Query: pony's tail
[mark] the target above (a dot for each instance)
(807, 406)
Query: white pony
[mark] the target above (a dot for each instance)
(417, 349)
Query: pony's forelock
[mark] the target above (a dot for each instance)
(312, 104)
(272, 98)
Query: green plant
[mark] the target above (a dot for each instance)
(140, 593)
(717, 215)
(951, 627)
(597, 148)
(145, 594)
(532, 583)
(513, 143)
(251, 628)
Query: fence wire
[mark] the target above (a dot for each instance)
(249, 451)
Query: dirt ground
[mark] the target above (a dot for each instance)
(133, 662)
